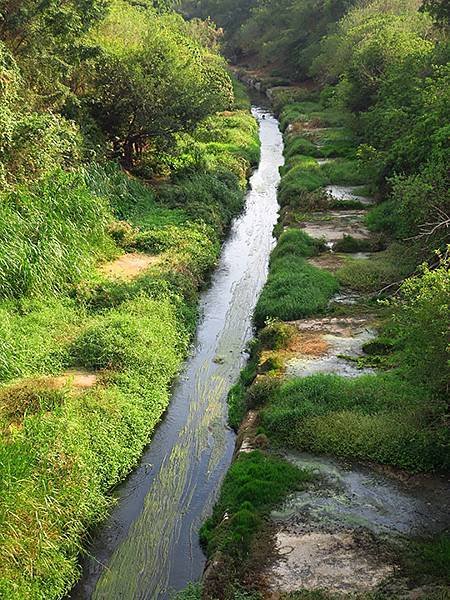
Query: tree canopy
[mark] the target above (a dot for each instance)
(114, 76)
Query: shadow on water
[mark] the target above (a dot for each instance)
(149, 545)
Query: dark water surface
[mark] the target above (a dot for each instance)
(149, 544)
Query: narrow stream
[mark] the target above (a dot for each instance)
(149, 544)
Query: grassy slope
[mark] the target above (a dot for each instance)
(62, 451)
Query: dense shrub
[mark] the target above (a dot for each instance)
(276, 335)
(37, 144)
(421, 328)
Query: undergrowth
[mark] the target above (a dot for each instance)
(64, 448)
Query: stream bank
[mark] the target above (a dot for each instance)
(365, 526)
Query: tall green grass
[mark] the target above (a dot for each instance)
(52, 232)
(376, 417)
(36, 335)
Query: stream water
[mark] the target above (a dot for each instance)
(149, 545)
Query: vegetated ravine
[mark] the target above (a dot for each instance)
(149, 545)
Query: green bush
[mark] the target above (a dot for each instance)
(39, 143)
(276, 335)
(421, 328)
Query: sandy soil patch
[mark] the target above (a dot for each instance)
(309, 343)
(322, 345)
(128, 266)
(330, 262)
(77, 379)
(325, 560)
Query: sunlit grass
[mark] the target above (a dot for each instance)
(63, 451)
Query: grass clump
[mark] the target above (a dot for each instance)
(339, 142)
(294, 289)
(349, 245)
(383, 269)
(297, 111)
(375, 417)
(237, 406)
(345, 171)
(28, 397)
(299, 147)
(295, 242)
(301, 175)
(254, 484)
(427, 560)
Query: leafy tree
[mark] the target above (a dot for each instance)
(151, 81)
(9, 83)
(439, 10)
(229, 14)
(47, 39)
